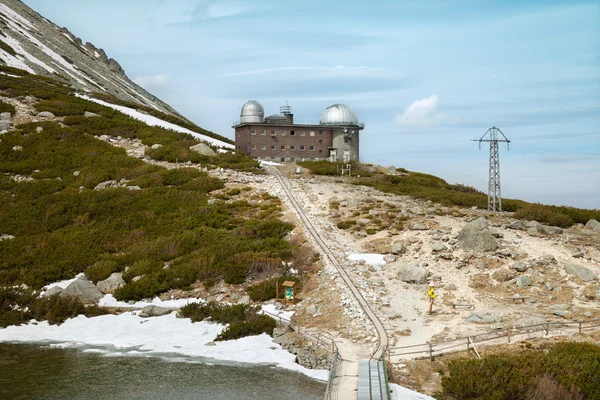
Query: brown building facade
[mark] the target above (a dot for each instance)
(277, 138)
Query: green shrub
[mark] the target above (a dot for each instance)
(217, 312)
(255, 325)
(5, 107)
(265, 290)
(346, 224)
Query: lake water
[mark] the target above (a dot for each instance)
(34, 372)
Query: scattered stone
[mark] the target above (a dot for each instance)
(6, 237)
(203, 149)
(483, 318)
(504, 274)
(524, 281)
(398, 248)
(450, 286)
(106, 185)
(134, 188)
(45, 114)
(528, 321)
(84, 290)
(545, 259)
(417, 226)
(311, 310)
(517, 225)
(5, 116)
(244, 300)
(155, 311)
(76, 173)
(112, 283)
(520, 266)
(210, 344)
(39, 129)
(17, 148)
(389, 258)
(438, 246)
(5, 125)
(593, 224)
(559, 309)
(476, 236)
(53, 291)
(156, 146)
(413, 274)
(580, 271)
(551, 230)
(89, 114)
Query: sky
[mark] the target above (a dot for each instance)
(426, 77)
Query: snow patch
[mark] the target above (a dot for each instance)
(62, 284)
(14, 62)
(19, 49)
(128, 334)
(371, 259)
(263, 162)
(153, 121)
(109, 301)
(16, 17)
(402, 393)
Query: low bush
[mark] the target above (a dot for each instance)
(5, 107)
(255, 325)
(346, 224)
(265, 290)
(574, 367)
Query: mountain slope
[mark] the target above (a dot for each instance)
(30, 42)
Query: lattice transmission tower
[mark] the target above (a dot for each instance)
(494, 194)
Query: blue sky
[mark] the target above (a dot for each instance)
(425, 76)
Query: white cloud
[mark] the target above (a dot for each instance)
(338, 69)
(421, 114)
(152, 82)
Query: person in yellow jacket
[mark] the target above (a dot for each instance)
(432, 296)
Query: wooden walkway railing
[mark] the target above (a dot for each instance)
(431, 349)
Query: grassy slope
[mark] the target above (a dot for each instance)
(429, 187)
(62, 226)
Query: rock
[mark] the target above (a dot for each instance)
(6, 237)
(389, 258)
(438, 246)
(476, 236)
(5, 116)
(528, 321)
(450, 286)
(137, 278)
(210, 344)
(545, 259)
(520, 266)
(53, 291)
(559, 309)
(203, 149)
(413, 274)
(482, 318)
(417, 226)
(504, 274)
(580, 271)
(106, 185)
(5, 125)
(45, 114)
(593, 224)
(551, 230)
(17, 148)
(84, 290)
(155, 311)
(112, 283)
(244, 300)
(76, 173)
(134, 188)
(398, 248)
(156, 146)
(311, 310)
(524, 281)
(534, 224)
(89, 114)
(391, 169)
(518, 225)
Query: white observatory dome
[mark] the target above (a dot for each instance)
(339, 114)
(252, 112)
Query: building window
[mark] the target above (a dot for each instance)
(320, 141)
(302, 133)
(312, 133)
(312, 148)
(282, 133)
(320, 150)
(292, 159)
(253, 147)
(253, 132)
(273, 147)
(292, 133)
(320, 132)
(272, 133)
(282, 159)
(282, 147)
(292, 148)
(263, 146)
(302, 148)
(263, 132)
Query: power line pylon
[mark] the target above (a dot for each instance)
(494, 194)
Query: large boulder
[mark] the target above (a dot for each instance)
(476, 236)
(84, 290)
(398, 248)
(524, 281)
(155, 311)
(417, 226)
(593, 224)
(483, 318)
(112, 283)
(46, 114)
(5, 125)
(580, 271)
(504, 274)
(528, 321)
(412, 273)
(203, 149)
(551, 230)
(518, 225)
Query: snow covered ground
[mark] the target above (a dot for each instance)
(153, 121)
(371, 259)
(402, 393)
(128, 334)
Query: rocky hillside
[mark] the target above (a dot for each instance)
(31, 42)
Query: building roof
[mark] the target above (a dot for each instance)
(252, 112)
(339, 114)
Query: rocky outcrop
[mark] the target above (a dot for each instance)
(84, 290)
(476, 236)
(308, 354)
(112, 283)
(581, 272)
(412, 273)
(203, 149)
(593, 224)
(482, 318)
(155, 311)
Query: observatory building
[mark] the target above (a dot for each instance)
(277, 138)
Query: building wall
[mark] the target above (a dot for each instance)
(346, 142)
(260, 145)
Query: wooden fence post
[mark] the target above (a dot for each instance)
(430, 352)
(508, 334)
(547, 328)
(468, 346)
(579, 328)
